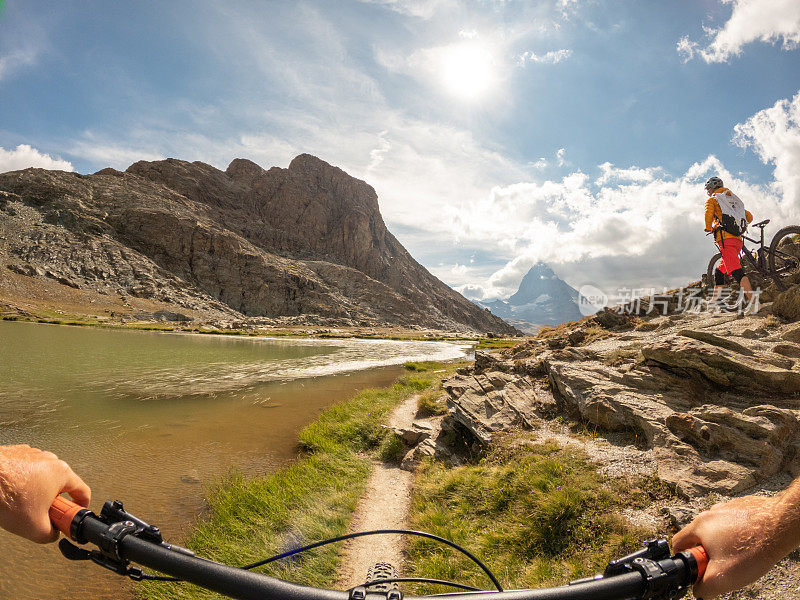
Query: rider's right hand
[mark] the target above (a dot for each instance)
(744, 538)
(30, 479)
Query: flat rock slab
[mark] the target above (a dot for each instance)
(719, 413)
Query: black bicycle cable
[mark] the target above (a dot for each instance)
(341, 538)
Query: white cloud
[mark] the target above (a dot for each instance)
(629, 175)
(110, 154)
(774, 134)
(769, 21)
(14, 61)
(687, 48)
(458, 270)
(423, 9)
(560, 157)
(25, 38)
(376, 154)
(551, 58)
(471, 291)
(540, 164)
(24, 156)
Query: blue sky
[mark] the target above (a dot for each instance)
(496, 133)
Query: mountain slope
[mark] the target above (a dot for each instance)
(542, 299)
(307, 240)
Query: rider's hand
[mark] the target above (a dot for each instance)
(30, 479)
(744, 538)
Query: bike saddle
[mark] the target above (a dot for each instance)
(762, 223)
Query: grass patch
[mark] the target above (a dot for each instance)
(431, 402)
(392, 448)
(627, 354)
(538, 513)
(250, 518)
(592, 331)
(423, 366)
(497, 343)
(355, 425)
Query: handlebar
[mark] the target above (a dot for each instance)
(122, 538)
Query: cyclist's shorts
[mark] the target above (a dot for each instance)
(730, 255)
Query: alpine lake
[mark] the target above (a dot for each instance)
(153, 418)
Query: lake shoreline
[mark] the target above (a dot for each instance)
(302, 332)
(315, 497)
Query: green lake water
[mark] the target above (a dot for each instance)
(150, 418)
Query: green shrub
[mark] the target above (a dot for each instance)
(392, 448)
(431, 402)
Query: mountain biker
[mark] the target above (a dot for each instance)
(744, 538)
(29, 481)
(727, 218)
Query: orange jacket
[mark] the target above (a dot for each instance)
(714, 217)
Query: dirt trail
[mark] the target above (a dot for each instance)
(384, 505)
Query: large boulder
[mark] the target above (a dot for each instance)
(787, 305)
(723, 367)
(492, 402)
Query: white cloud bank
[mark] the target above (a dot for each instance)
(774, 134)
(630, 227)
(769, 21)
(24, 156)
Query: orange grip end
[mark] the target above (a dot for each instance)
(701, 556)
(62, 512)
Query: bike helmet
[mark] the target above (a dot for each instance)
(713, 183)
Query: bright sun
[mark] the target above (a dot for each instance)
(468, 71)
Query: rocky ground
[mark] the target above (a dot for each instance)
(709, 403)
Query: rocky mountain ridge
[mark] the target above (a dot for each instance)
(244, 242)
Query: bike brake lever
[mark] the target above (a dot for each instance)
(73, 552)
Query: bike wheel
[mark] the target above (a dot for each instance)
(382, 570)
(784, 252)
(712, 265)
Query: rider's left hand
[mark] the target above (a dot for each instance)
(30, 479)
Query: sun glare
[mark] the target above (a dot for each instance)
(468, 71)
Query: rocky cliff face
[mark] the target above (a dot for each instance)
(542, 299)
(714, 399)
(307, 240)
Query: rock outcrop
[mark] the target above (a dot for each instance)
(307, 240)
(715, 398)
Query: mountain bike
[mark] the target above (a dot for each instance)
(121, 539)
(777, 262)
